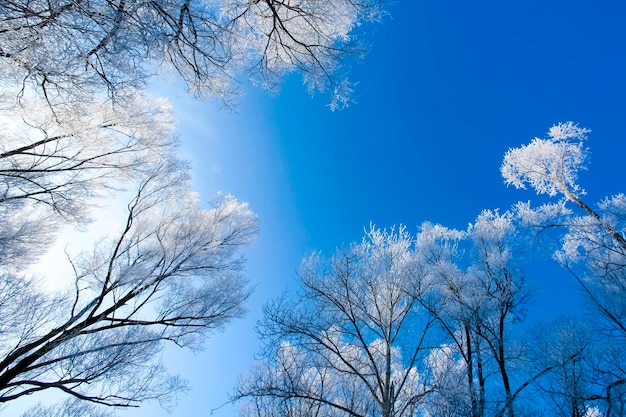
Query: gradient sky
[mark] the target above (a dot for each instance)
(446, 89)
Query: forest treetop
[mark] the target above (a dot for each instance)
(65, 47)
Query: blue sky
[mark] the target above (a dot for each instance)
(446, 89)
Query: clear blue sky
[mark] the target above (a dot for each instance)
(446, 89)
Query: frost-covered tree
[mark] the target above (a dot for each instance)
(568, 348)
(65, 47)
(457, 365)
(68, 408)
(60, 159)
(75, 129)
(481, 296)
(593, 246)
(170, 270)
(497, 276)
(353, 342)
(434, 316)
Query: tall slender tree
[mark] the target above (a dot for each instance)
(353, 342)
(480, 298)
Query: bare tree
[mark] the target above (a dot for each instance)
(434, 316)
(354, 340)
(62, 158)
(568, 347)
(498, 277)
(172, 274)
(68, 408)
(593, 246)
(480, 297)
(75, 129)
(56, 165)
(459, 365)
(170, 270)
(69, 46)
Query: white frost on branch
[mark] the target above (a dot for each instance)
(545, 214)
(550, 166)
(275, 38)
(169, 269)
(64, 50)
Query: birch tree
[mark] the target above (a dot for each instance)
(353, 342)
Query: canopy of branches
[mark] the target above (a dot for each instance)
(66, 47)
